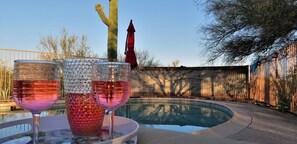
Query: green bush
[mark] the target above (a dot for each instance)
(285, 88)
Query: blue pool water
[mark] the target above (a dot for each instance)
(183, 115)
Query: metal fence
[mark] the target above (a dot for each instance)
(7, 57)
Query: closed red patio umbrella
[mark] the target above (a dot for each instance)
(129, 47)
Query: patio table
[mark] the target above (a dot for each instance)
(57, 128)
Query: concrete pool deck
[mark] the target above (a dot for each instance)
(251, 124)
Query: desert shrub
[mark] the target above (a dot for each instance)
(5, 83)
(285, 88)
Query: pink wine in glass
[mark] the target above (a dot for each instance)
(35, 95)
(111, 94)
(85, 116)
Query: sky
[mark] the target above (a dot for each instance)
(168, 29)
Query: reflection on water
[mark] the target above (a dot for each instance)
(175, 115)
(185, 129)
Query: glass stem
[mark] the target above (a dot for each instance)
(36, 121)
(111, 120)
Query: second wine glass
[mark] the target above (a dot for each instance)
(111, 86)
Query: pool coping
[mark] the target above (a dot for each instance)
(239, 121)
(217, 134)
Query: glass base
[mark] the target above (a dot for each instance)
(64, 136)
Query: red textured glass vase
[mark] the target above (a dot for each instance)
(85, 116)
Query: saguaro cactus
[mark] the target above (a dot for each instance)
(112, 24)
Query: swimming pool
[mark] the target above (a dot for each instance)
(183, 115)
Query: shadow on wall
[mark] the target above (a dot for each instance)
(212, 82)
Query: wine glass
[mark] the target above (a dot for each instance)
(36, 87)
(111, 86)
